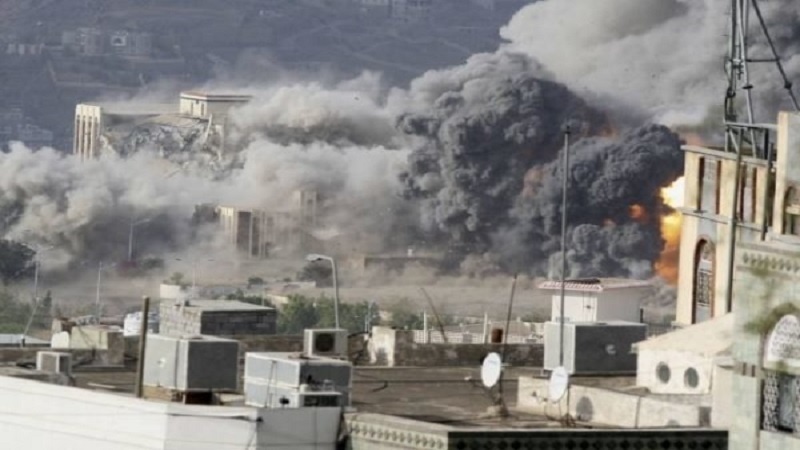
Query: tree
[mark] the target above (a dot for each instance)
(13, 313)
(254, 281)
(352, 316)
(239, 295)
(16, 261)
(403, 316)
(320, 272)
(298, 314)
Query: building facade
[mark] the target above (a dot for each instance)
(257, 232)
(715, 203)
(199, 122)
(766, 347)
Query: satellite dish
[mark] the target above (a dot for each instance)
(559, 382)
(491, 369)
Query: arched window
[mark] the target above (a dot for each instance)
(791, 212)
(703, 295)
(780, 400)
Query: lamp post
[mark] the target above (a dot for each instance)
(130, 237)
(564, 188)
(317, 257)
(100, 267)
(37, 251)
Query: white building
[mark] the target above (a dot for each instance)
(598, 299)
(683, 362)
(197, 123)
(41, 416)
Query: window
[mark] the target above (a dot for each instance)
(703, 294)
(791, 214)
(690, 378)
(701, 174)
(663, 373)
(718, 188)
(780, 401)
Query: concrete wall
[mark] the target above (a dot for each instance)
(40, 416)
(603, 406)
(379, 432)
(721, 397)
(88, 123)
(79, 356)
(679, 363)
(388, 347)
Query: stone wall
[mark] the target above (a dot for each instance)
(380, 432)
(177, 320)
(388, 347)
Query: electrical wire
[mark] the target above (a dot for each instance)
(786, 83)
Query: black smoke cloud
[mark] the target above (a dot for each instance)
(475, 142)
(607, 177)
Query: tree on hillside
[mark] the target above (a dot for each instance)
(16, 260)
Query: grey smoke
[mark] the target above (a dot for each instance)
(478, 136)
(661, 57)
(607, 176)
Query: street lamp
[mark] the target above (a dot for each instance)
(100, 267)
(317, 257)
(37, 250)
(130, 237)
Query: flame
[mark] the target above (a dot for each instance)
(637, 213)
(667, 264)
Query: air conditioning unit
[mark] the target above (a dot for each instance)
(54, 362)
(331, 343)
(593, 347)
(276, 396)
(269, 376)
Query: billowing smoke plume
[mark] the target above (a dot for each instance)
(479, 135)
(613, 210)
(662, 57)
(465, 161)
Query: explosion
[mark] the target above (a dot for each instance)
(667, 264)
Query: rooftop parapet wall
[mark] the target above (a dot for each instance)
(388, 347)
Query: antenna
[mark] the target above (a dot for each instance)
(565, 186)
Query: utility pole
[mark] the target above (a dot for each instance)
(142, 346)
(564, 187)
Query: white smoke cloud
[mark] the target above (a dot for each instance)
(662, 57)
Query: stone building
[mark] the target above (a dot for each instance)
(766, 348)
(715, 203)
(216, 318)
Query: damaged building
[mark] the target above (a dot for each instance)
(257, 232)
(197, 124)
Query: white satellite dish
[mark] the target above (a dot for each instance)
(559, 382)
(491, 369)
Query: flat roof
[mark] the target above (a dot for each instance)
(211, 97)
(595, 284)
(711, 337)
(225, 305)
(132, 108)
(16, 339)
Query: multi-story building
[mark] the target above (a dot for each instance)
(199, 122)
(766, 349)
(255, 232)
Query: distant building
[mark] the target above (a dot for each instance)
(90, 41)
(197, 123)
(410, 10)
(215, 317)
(255, 232)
